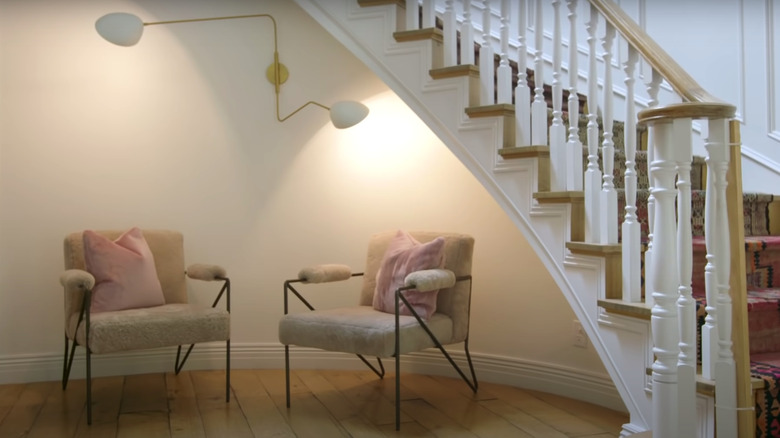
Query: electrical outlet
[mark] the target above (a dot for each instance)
(580, 338)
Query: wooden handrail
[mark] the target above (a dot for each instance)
(657, 57)
(688, 110)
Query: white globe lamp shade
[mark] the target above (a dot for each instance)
(347, 113)
(120, 28)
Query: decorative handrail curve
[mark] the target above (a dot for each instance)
(692, 110)
(675, 75)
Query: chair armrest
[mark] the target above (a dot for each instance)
(76, 279)
(206, 272)
(324, 273)
(430, 279)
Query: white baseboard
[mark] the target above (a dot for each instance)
(554, 379)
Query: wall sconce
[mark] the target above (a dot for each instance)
(125, 29)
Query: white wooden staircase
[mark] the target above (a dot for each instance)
(570, 218)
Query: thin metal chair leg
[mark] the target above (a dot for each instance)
(397, 392)
(227, 372)
(471, 366)
(397, 364)
(179, 366)
(89, 387)
(67, 363)
(287, 372)
(379, 372)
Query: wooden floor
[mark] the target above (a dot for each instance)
(324, 404)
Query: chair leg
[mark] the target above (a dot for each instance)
(471, 367)
(287, 373)
(227, 371)
(67, 362)
(89, 386)
(177, 368)
(379, 372)
(397, 392)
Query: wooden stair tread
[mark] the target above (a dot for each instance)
(616, 305)
(454, 71)
(561, 196)
(524, 152)
(430, 33)
(498, 109)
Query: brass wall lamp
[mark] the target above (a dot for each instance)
(125, 29)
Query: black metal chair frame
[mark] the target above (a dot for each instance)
(399, 298)
(84, 316)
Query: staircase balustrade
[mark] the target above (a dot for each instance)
(669, 262)
(668, 259)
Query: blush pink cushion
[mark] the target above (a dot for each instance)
(404, 256)
(125, 276)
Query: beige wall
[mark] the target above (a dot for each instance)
(179, 132)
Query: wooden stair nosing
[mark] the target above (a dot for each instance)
(494, 110)
(539, 151)
(470, 70)
(367, 3)
(429, 33)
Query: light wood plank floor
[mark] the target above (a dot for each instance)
(325, 403)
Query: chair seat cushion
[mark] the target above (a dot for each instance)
(152, 327)
(361, 330)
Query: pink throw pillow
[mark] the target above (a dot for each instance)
(404, 256)
(125, 276)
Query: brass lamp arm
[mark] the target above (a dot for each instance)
(232, 17)
(276, 77)
(125, 29)
(311, 102)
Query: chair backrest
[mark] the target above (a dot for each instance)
(454, 302)
(167, 248)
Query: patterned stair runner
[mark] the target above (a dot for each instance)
(762, 272)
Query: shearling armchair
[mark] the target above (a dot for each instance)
(416, 295)
(128, 291)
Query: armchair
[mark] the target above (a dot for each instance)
(427, 304)
(103, 322)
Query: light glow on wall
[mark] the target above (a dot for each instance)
(392, 139)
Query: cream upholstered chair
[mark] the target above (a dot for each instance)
(173, 323)
(365, 331)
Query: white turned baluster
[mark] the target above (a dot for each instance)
(486, 66)
(664, 313)
(593, 173)
(558, 164)
(450, 32)
(428, 15)
(539, 106)
(652, 83)
(522, 92)
(608, 193)
(709, 333)
(504, 71)
(412, 15)
(574, 145)
(686, 305)
(725, 368)
(466, 35)
(631, 238)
